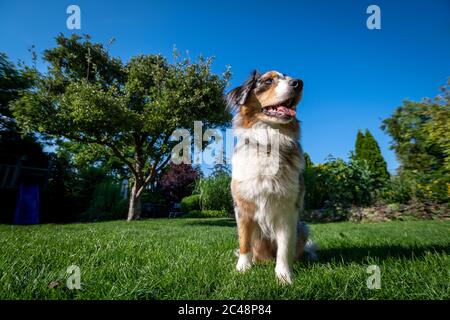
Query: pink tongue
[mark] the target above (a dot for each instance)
(286, 111)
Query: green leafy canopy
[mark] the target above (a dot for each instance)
(126, 110)
(421, 140)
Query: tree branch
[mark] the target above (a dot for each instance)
(153, 170)
(119, 155)
(113, 148)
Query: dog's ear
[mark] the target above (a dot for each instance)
(239, 95)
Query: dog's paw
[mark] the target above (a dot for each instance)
(284, 275)
(244, 263)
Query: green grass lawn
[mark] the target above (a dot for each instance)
(193, 259)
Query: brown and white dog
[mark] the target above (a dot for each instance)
(267, 182)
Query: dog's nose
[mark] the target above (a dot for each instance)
(296, 83)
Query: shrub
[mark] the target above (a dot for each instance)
(415, 186)
(191, 203)
(316, 189)
(358, 181)
(215, 193)
(153, 196)
(106, 204)
(429, 186)
(179, 181)
(397, 190)
(339, 184)
(207, 214)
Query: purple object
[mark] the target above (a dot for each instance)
(27, 209)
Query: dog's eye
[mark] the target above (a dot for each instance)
(268, 81)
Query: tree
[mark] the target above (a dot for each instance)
(421, 140)
(359, 144)
(367, 148)
(308, 161)
(13, 80)
(126, 110)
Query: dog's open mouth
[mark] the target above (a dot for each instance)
(282, 110)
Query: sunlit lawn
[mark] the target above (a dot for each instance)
(193, 259)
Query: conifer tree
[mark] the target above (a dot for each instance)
(308, 161)
(359, 144)
(367, 148)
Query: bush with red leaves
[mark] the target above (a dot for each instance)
(179, 181)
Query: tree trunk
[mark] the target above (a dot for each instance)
(134, 209)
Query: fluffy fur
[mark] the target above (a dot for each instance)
(267, 184)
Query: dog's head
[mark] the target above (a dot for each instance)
(271, 97)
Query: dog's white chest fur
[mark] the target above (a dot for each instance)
(266, 168)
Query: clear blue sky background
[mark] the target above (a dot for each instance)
(354, 77)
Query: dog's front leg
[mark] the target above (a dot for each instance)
(286, 238)
(246, 226)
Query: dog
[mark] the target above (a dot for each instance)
(267, 183)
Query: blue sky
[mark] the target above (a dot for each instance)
(354, 77)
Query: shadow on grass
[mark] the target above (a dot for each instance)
(225, 222)
(347, 255)
(362, 254)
